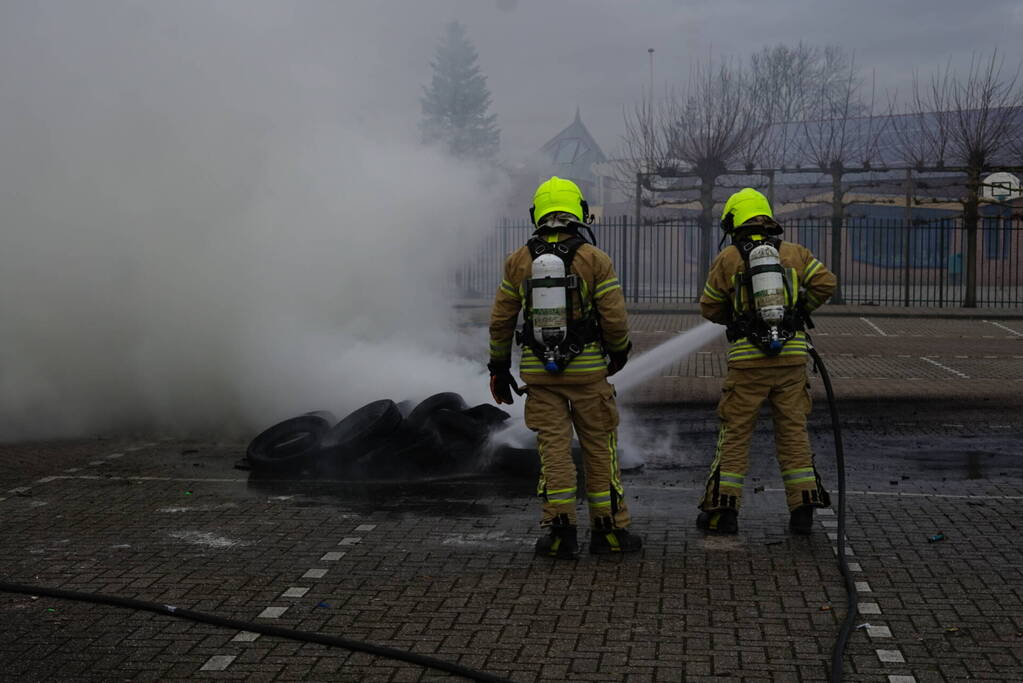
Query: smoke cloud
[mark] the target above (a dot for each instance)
(211, 220)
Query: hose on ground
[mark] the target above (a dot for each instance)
(278, 631)
(838, 652)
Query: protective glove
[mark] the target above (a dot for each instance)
(501, 381)
(802, 310)
(736, 329)
(616, 360)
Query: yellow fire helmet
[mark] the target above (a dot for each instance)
(558, 194)
(742, 206)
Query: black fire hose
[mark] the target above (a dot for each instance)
(838, 653)
(304, 636)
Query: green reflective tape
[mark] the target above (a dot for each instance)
(713, 293)
(606, 286)
(618, 345)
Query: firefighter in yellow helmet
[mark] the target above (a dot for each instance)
(762, 288)
(575, 334)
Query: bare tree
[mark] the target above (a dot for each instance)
(837, 139)
(966, 122)
(642, 150)
(698, 131)
(799, 83)
(710, 128)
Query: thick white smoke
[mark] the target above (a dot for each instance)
(206, 224)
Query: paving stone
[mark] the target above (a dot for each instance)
(763, 605)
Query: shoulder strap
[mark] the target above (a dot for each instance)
(565, 249)
(745, 244)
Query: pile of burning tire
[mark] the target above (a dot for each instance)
(386, 440)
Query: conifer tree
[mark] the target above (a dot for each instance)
(456, 103)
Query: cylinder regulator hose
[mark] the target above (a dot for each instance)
(838, 653)
(303, 636)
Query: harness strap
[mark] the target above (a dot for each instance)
(747, 324)
(579, 332)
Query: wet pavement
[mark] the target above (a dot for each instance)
(445, 567)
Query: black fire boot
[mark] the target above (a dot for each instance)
(606, 538)
(562, 541)
(718, 521)
(801, 520)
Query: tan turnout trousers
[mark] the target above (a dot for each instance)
(745, 389)
(551, 411)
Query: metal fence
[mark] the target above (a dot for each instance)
(883, 262)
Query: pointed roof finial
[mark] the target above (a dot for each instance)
(578, 119)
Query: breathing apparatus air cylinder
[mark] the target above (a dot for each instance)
(768, 290)
(549, 306)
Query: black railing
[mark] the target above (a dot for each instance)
(884, 262)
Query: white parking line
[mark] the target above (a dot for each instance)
(217, 663)
(864, 608)
(1007, 329)
(876, 328)
(273, 612)
(944, 367)
(891, 656)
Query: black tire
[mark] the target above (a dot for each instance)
(357, 433)
(431, 404)
(489, 415)
(455, 424)
(515, 462)
(325, 414)
(406, 454)
(288, 447)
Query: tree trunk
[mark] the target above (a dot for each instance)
(837, 217)
(971, 211)
(707, 243)
(633, 269)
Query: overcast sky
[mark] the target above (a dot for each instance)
(544, 57)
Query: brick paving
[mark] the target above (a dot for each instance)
(445, 568)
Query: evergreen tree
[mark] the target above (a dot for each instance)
(456, 102)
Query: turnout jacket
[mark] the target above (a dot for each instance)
(723, 296)
(600, 293)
